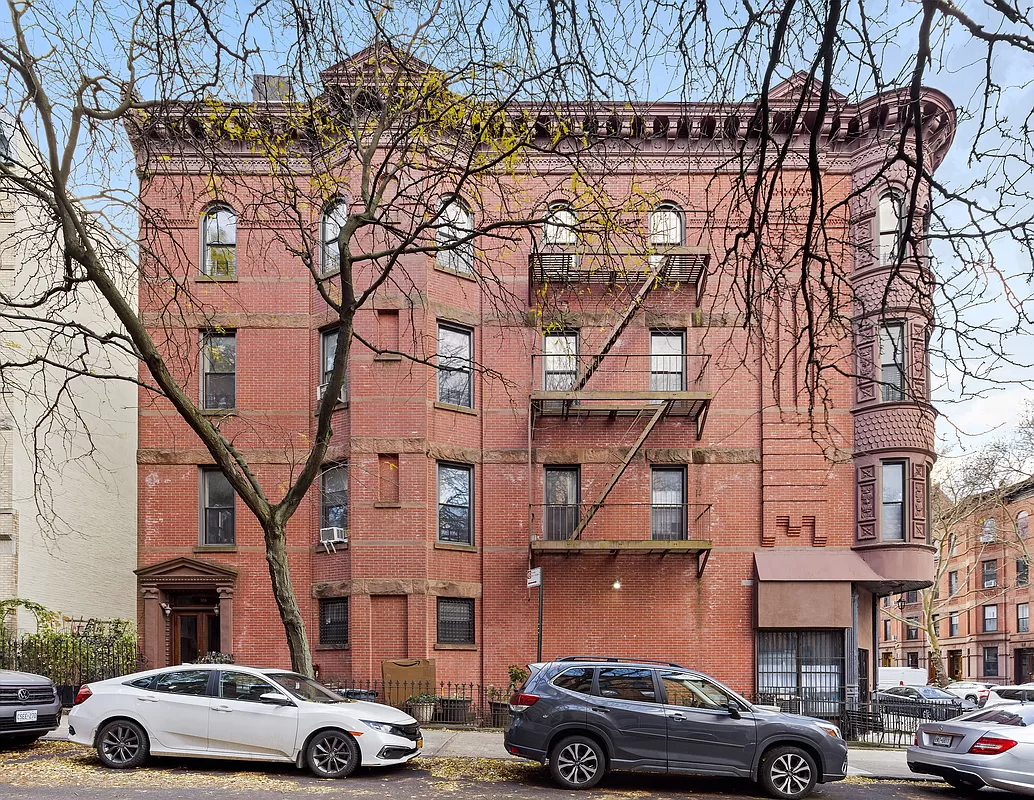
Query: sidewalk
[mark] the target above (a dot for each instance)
(863, 762)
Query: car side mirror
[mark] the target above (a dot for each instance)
(275, 699)
(734, 709)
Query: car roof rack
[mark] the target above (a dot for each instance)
(614, 659)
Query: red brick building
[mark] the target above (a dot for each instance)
(654, 456)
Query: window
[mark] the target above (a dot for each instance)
(886, 630)
(1023, 618)
(912, 629)
(886, 601)
(333, 220)
(693, 691)
(192, 682)
(989, 574)
(334, 497)
(912, 659)
(217, 516)
(455, 620)
(891, 225)
(578, 680)
(626, 683)
(667, 361)
(953, 582)
(562, 495)
(457, 223)
(667, 228)
(912, 597)
(668, 503)
(455, 360)
(987, 531)
(560, 361)
(990, 619)
(244, 687)
(143, 683)
(991, 662)
(219, 242)
(1022, 572)
(328, 351)
(1022, 526)
(893, 509)
(455, 504)
(804, 664)
(892, 361)
(334, 620)
(559, 237)
(218, 370)
(953, 625)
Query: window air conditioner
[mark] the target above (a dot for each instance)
(323, 391)
(333, 536)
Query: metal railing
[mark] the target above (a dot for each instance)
(622, 521)
(438, 703)
(620, 372)
(572, 263)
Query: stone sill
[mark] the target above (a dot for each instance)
(387, 504)
(218, 412)
(463, 548)
(459, 409)
(470, 647)
(337, 548)
(466, 276)
(216, 548)
(216, 278)
(333, 647)
(387, 357)
(340, 405)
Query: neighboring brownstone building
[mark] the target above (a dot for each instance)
(982, 604)
(653, 456)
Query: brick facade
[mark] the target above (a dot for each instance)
(763, 472)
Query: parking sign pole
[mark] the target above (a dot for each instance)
(540, 621)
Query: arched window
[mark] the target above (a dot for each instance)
(219, 242)
(333, 220)
(891, 222)
(987, 533)
(667, 228)
(1022, 526)
(456, 224)
(560, 233)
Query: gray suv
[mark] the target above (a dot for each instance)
(585, 716)
(29, 707)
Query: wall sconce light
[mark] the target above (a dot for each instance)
(617, 584)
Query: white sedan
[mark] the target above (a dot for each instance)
(221, 711)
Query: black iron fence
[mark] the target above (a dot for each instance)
(69, 660)
(451, 704)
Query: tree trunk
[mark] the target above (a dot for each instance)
(283, 592)
(940, 674)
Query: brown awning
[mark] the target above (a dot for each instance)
(814, 565)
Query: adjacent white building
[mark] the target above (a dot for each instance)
(67, 447)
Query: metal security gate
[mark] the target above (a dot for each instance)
(802, 671)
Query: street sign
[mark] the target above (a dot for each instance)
(534, 577)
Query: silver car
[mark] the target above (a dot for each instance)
(990, 747)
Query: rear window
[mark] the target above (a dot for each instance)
(1021, 716)
(934, 693)
(142, 683)
(623, 683)
(578, 680)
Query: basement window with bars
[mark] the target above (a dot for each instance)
(801, 671)
(334, 621)
(455, 620)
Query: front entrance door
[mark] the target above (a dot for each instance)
(1024, 665)
(955, 664)
(194, 633)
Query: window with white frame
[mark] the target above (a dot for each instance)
(892, 512)
(219, 242)
(988, 531)
(1022, 618)
(334, 498)
(953, 625)
(891, 223)
(455, 504)
(1022, 526)
(455, 366)
(217, 509)
(892, 362)
(559, 233)
(990, 616)
(333, 220)
(667, 229)
(328, 351)
(953, 582)
(989, 574)
(912, 628)
(218, 369)
(559, 361)
(455, 226)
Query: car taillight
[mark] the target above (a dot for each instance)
(991, 746)
(915, 741)
(522, 702)
(84, 694)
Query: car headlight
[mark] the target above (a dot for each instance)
(830, 730)
(383, 727)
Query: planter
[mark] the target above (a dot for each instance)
(422, 712)
(455, 710)
(500, 710)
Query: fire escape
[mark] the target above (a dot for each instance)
(640, 390)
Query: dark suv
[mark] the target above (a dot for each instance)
(29, 707)
(585, 716)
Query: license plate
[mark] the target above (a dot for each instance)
(942, 740)
(419, 743)
(25, 716)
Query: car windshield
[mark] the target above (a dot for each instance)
(933, 693)
(305, 688)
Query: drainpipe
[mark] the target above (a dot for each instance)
(874, 684)
(851, 667)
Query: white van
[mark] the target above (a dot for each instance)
(896, 676)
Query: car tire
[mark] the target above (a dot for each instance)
(963, 783)
(123, 744)
(971, 698)
(332, 754)
(577, 762)
(788, 772)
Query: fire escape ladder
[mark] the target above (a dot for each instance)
(615, 332)
(590, 512)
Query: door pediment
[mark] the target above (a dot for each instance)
(186, 570)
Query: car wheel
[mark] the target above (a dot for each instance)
(788, 772)
(332, 754)
(971, 698)
(964, 783)
(577, 762)
(122, 744)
